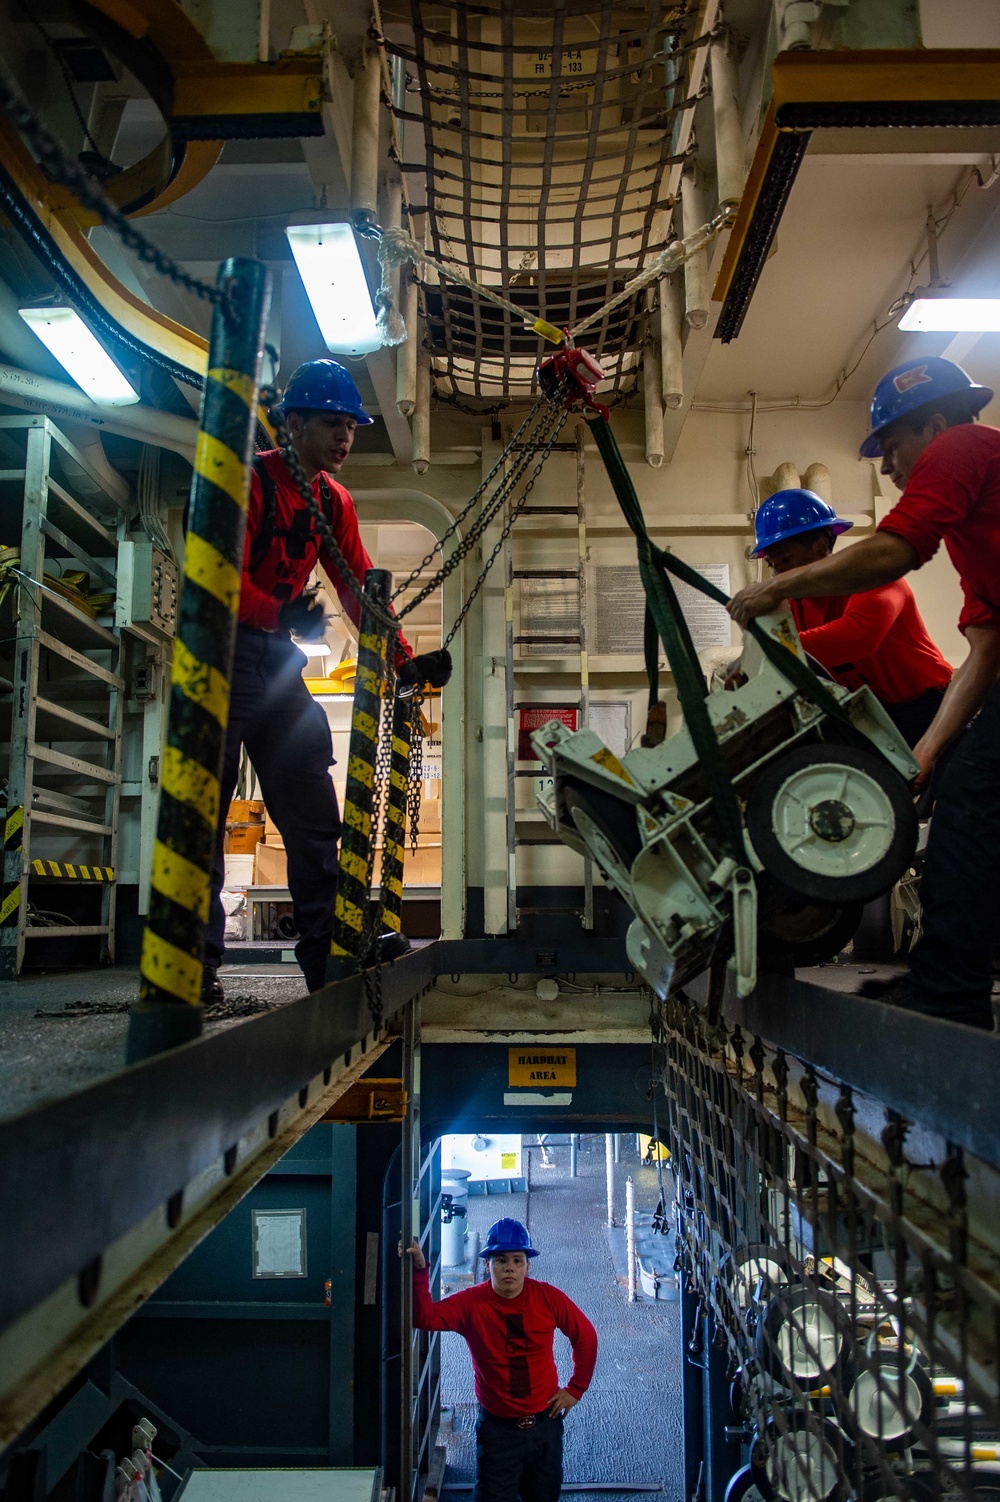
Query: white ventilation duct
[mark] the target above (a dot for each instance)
(406, 353)
(364, 143)
(671, 346)
(421, 421)
(696, 290)
(19, 388)
(729, 169)
(652, 393)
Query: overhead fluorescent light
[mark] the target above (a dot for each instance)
(952, 315)
(329, 264)
(313, 648)
(81, 354)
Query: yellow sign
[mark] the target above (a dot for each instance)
(508, 1160)
(541, 1066)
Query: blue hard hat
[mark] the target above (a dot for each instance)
(324, 386)
(787, 513)
(508, 1236)
(914, 384)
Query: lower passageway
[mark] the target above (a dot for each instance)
(628, 1427)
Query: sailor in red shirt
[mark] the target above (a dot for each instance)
(509, 1324)
(877, 638)
(923, 416)
(272, 713)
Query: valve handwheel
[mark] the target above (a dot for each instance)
(834, 823)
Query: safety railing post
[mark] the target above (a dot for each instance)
(168, 1011)
(354, 879)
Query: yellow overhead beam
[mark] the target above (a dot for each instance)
(906, 89)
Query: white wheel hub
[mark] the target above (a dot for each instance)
(832, 819)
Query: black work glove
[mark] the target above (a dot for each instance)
(304, 616)
(430, 667)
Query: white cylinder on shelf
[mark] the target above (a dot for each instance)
(696, 289)
(420, 423)
(729, 168)
(364, 142)
(654, 405)
(818, 478)
(671, 346)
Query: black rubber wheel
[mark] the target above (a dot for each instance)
(807, 932)
(886, 1412)
(802, 1336)
(606, 813)
(803, 855)
(743, 1487)
(807, 1458)
(873, 942)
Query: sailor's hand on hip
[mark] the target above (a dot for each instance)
(562, 1403)
(413, 1250)
(757, 599)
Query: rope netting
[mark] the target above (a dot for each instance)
(547, 137)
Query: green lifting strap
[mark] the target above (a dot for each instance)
(665, 619)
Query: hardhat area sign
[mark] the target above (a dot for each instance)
(541, 1066)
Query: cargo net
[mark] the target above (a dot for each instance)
(833, 1248)
(547, 159)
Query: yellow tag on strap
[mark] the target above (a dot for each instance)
(548, 331)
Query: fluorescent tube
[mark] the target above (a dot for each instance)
(313, 648)
(330, 267)
(81, 354)
(952, 315)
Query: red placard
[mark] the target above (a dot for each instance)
(533, 717)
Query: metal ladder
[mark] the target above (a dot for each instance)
(576, 640)
(60, 839)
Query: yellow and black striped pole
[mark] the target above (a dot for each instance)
(354, 878)
(168, 1011)
(394, 844)
(10, 897)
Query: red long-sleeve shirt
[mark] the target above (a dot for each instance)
(295, 549)
(510, 1341)
(953, 496)
(877, 638)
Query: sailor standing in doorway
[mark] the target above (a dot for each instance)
(509, 1324)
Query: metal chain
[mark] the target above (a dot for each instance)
(452, 531)
(415, 772)
(63, 169)
(515, 511)
(380, 797)
(539, 437)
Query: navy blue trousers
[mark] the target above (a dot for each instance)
(287, 737)
(951, 967)
(513, 1463)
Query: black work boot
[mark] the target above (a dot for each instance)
(211, 985)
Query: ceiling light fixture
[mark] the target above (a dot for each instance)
(952, 315)
(313, 648)
(81, 354)
(329, 264)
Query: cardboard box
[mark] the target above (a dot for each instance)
(423, 869)
(242, 839)
(246, 810)
(271, 832)
(270, 867)
(430, 816)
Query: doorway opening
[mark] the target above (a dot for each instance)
(625, 1438)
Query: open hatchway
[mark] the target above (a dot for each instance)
(624, 1438)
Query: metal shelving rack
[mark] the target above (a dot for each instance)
(571, 645)
(67, 694)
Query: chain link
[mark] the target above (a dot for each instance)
(380, 797)
(561, 415)
(452, 530)
(415, 772)
(62, 168)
